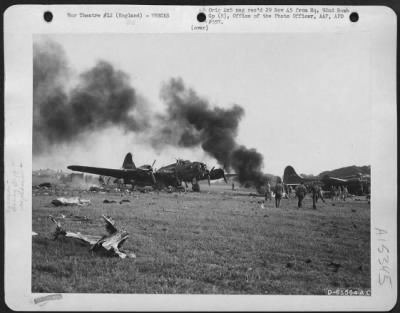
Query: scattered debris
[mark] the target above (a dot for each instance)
(124, 200)
(360, 268)
(96, 189)
(308, 261)
(334, 267)
(354, 225)
(289, 265)
(73, 217)
(171, 211)
(109, 201)
(266, 215)
(46, 185)
(353, 210)
(34, 234)
(70, 201)
(78, 218)
(109, 245)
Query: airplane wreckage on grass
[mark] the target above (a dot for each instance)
(109, 245)
(173, 175)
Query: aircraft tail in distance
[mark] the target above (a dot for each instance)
(128, 162)
(290, 176)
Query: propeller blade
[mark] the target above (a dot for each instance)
(212, 168)
(208, 178)
(226, 181)
(153, 178)
(154, 162)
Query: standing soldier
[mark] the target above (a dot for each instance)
(301, 192)
(268, 191)
(278, 193)
(321, 195)
(286, 191)
(316, 193)
(332, 193)
(289, 191)
(340, 189)
(345, 193)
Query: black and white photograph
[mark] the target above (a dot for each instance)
(208, 163)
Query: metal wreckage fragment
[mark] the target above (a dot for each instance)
(109, 245)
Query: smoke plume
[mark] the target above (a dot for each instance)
(190, 121)
(103, 97)
(248, 164)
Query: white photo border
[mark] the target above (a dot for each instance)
(21, 22)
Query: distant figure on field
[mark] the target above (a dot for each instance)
(268, 192)
(301, 192)
(334, 192)
(321, 195)
(290, 190)
(345, 193)
(339, 192)
(316, 193)
(286, 191)
(233, 186)
(278, 193)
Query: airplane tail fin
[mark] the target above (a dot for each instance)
(290, 176)
(128, 162)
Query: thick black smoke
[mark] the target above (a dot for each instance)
(190, 121)
(248, 164)
(102, 97)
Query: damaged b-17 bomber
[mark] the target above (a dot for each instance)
(173, 175)
(170, 176)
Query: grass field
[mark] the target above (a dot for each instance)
(214, 242)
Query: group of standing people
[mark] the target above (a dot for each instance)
(301, 191)
(339, 192)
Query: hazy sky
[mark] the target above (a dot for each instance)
(306, 95)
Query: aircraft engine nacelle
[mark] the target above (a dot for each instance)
(126, 181)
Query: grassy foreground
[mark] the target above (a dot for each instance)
(214, 242)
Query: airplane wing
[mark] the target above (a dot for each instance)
(231, 175)
(338, 179)
(334, 180)
(99, 171)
